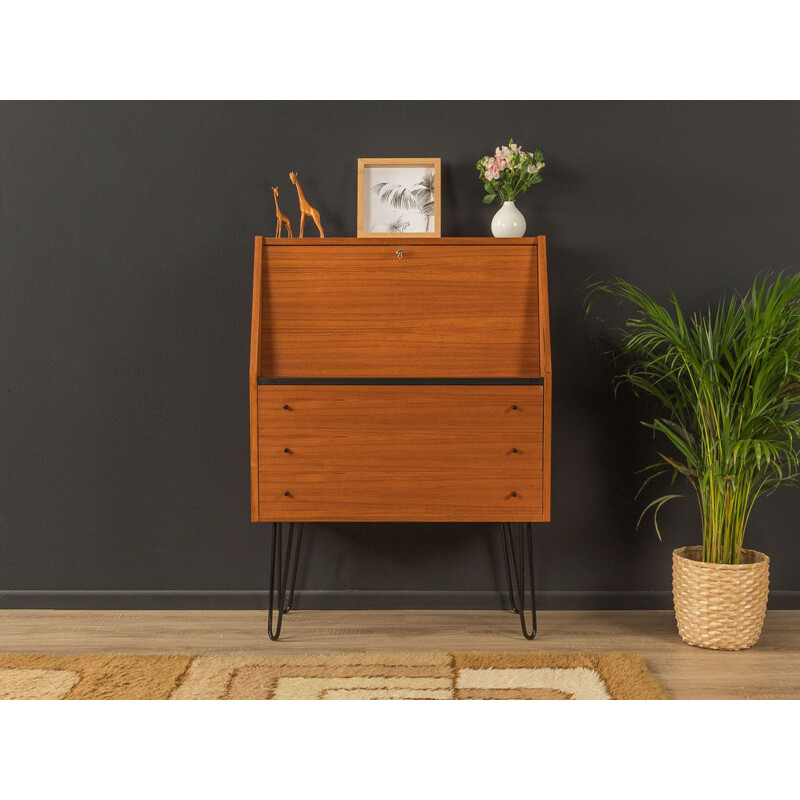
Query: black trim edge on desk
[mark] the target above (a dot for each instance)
(401, 381)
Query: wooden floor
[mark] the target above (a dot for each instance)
(770, 670)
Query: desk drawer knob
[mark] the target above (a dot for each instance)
(286, 494)
(513, 408)
(286, 408)
(513, 494)
(513, 450)
(286, 450)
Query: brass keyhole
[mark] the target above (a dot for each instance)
(400, 252)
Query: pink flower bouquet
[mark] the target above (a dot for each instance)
(509, 172)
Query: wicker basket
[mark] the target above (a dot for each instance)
(720, 606)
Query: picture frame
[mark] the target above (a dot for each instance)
(399, 198)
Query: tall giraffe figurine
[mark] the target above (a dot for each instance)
(282, 218)
(306, 210)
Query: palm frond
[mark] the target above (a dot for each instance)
(427, 183)
(727, 382)
(396, 195)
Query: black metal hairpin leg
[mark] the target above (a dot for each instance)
(511, 573)
(519, 561)
(293, 580)
(279, 584)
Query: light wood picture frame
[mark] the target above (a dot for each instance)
(399, 197)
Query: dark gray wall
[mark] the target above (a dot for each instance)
(126, 242)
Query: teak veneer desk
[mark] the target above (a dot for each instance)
(400, 379)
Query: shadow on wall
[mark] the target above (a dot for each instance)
(599, 443)
(388, 552)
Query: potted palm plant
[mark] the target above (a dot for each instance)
(727, 387)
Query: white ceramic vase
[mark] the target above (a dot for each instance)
(508, 222)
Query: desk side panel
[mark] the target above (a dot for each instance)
(255, 366)
(545, 360)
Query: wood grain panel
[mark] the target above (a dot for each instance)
(448, 241)
(544, 360)
(425, 453)
(255, 365)
(443, 310)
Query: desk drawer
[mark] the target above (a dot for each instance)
(427, 453)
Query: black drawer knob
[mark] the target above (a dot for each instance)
(514, 450)
(286, 450)
(286, 408)
(513, 494)
(286, 494)
(514, 408)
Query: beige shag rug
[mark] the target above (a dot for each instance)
(342, 676)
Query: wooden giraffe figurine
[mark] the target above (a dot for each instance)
(306, 210)
(282, 218)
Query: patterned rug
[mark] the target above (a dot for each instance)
(375, 676)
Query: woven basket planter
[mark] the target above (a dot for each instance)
(720, 606)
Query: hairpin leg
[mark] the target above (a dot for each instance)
(293, 580)
(519, 571)
(511, 570)
(279, 584)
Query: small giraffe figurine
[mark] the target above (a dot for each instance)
(282, 218)
(306, 210)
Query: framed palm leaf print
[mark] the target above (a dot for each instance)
(399, 197)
